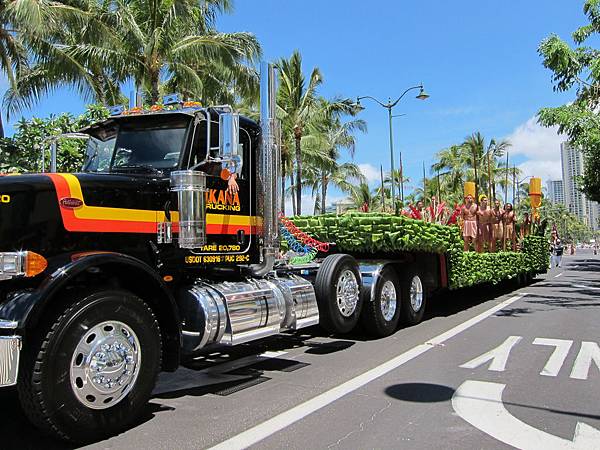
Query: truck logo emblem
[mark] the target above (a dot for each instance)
(71, 203)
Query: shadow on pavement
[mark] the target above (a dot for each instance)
(420, 392)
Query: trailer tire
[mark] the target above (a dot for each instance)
(413, 298)
(337, 287)
(380, 316)
(73, 369)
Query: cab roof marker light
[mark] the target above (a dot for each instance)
(116, 110)
(171, 99)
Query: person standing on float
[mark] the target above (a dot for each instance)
(468, 214)
(508, 220)
(485, 230)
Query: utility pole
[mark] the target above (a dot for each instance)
(424, 184)
(382, 189)
(506, 182)
(401, 180)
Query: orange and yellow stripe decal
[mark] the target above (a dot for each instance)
(121, 220)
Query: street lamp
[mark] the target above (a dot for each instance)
(389, 106)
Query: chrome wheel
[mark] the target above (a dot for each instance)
(105, 364)
(347, 293)
(389, 300)
(416, 293)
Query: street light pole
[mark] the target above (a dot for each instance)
(390, 106)
(400, 168)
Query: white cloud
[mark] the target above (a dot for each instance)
(371, 173)
(546, 169)
(535, 141)
(308, 205)
(541, 148)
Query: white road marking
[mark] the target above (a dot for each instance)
(287, 418)
(480, 404)
(581, 286)
(588, 352)
(556, 360)
(558, 275)
(498, 356)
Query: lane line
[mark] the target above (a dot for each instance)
(287, 418)
(581, 286)
(560, 274)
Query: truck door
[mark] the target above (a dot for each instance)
(230, 215)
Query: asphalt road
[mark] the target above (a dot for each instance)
(486, 369)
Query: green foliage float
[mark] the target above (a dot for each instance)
(377, 234)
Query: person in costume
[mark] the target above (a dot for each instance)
(485, 237)
(508, 221)
(468, 214)
(498, 225)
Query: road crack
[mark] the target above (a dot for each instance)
(361, 427)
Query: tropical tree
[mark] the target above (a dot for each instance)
(576, 69)
(13, 52)
(159, 44)
(296, 99)
(398, 181)
(329, 135)
(298, 104)
(362, 197)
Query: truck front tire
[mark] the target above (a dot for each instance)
(337, 288)
(91, 369)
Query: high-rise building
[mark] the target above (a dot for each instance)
(576, 201)
(556, 191)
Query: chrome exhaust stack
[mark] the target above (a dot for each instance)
(268, 172)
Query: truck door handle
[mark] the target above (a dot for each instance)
(168, 210)
(241, 237)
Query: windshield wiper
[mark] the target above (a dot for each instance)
(135, 167)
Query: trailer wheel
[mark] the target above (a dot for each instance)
(91, 371)
(413, 298)
(380, 316)
(337, 288)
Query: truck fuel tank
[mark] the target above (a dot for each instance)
(230, 313)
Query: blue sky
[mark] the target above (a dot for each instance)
(477, 59)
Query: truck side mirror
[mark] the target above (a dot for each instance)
(229, 136)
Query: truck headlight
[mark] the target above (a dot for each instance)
(21, 264)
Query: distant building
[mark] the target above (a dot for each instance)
(556, 191)
(576, 201)
(342, 206)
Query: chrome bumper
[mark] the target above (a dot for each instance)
(10, 349)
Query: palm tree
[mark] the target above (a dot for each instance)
(474, 145)
(397, 181)
(296, 100)
(157, 43)
(329, 134)
(452, 165)
(13, 51)
(298, 104)
(362, 197)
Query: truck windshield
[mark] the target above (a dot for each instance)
(136, 145)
